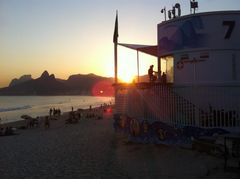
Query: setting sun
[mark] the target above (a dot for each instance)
(126, 76)
(127, 65)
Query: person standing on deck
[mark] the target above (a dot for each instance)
(164, 78)
(152, 77)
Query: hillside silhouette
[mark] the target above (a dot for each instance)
(49, 85)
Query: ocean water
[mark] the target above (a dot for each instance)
(12, 107)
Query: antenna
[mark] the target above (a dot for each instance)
(193, 6)
(173, 12)
(169, 14)
(177, 5)
(164, 11)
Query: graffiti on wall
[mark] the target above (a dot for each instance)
(157, 132)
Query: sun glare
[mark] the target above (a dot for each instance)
(126, 77)
(127, 65)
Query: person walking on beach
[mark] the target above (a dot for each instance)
(59, 112)
(47, 122)
(50, 112)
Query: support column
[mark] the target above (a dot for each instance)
(138, 66)
(159, 68)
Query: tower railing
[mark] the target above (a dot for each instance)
(200, 106)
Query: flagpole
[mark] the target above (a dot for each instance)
(115, 41)
(115, 61)
(138, 66)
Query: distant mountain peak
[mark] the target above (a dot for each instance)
(22, 79)
(52, 76)
(91, 74)
(79, 84)
(45, 74)
(77, 76)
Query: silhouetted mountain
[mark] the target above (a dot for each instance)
(85, 84)
(44, 85)
(22, 79)
(75, 85)
(77, 81)
(143, 78)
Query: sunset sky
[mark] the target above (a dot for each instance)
(75, 36)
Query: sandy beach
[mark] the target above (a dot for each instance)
(92, 149)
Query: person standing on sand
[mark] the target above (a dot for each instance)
(50, 112)
(47, 122)
(59, 112)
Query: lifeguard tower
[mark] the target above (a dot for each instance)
(200, 54)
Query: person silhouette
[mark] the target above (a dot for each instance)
(152, 77)
(164, 78)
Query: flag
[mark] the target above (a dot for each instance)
(115, 35)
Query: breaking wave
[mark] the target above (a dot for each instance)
(14, 108)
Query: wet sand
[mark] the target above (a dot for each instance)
(92, 149)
